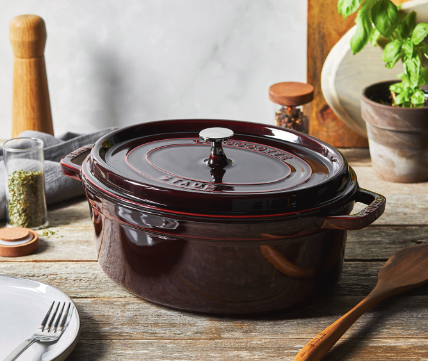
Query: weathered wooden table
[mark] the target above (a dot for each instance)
(118, 326)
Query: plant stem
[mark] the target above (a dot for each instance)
(393, 99)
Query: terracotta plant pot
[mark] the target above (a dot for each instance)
(398, 137)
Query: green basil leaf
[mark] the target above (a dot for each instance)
(385, 17)
(407, 24)
(368, 5)
(423, 77)
(420, 32)
(412, 68)
(348, 7)
(396, 88)
(402, 97)
(424, 49)
(417, 66)
(392, 53)
(374, 36)
(340, 6)
(418, 97)
(362, 33)
(407, 48)
(404, 79)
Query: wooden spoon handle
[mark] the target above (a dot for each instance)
(319, 346)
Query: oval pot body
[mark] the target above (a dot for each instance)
(398, 138)
(217, 250)
(158, 259)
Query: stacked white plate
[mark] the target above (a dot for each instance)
(23, 305)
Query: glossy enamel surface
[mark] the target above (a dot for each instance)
(272, 170)
(216, 267)
(267, 231)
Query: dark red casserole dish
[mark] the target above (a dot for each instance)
(253, 223)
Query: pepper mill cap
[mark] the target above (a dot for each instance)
(27, 35)
(291, 93)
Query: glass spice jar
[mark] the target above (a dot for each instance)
(25, 183)
(291, 101)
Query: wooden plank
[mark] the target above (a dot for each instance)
(359, 278)
(406, 204)
(86, 279)
(66, 244)
(372, 243)
(74, 242)
(410, 199)
(403, 210)
(368, 179)
(380, 243)
(325, 28)
(254, 349)
(135, 319)
(74, 211)
(76, 279)
(357, 156)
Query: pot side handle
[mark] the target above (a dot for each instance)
(376, 207)
(71, 164)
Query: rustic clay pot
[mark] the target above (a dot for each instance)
(398, 137)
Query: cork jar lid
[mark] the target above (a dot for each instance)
(290, 93)
(17, 242)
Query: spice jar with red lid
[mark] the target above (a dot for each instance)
(291, 101)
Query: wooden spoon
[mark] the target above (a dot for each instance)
(405, 270)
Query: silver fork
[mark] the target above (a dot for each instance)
(47, 332)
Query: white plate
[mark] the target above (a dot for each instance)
(344, 75)
(23, 305)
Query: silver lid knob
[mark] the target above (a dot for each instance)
(216, 136)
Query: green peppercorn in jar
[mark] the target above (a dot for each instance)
(291, 101)
(25, 183)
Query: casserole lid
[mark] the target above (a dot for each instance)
(227, 168)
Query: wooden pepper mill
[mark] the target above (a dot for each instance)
(31, 109)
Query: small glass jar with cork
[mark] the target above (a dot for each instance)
(25, 184)
(291, 101)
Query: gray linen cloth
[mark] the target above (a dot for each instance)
(58, 186)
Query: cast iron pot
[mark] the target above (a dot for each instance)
(192, 215)
(398, 137)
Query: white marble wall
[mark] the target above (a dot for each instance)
(124, 62)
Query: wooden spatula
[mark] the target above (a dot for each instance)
(405, 270)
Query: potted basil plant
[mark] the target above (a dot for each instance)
(396, 111)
